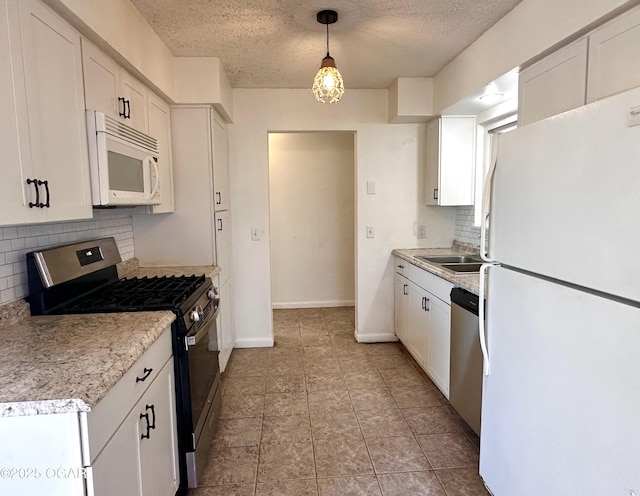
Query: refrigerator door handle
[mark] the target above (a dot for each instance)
(486, 200)
(481, 317)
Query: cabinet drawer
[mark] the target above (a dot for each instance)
(430, 282)
(401, 266)
(105, 418)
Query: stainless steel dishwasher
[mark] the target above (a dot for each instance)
(465, 389)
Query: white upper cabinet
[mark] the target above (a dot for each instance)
(553, 85)
(601, 64)
(43, 118)
(451, 157)
(110, 89)
(220, 165)
(160, 128)
(613, 57)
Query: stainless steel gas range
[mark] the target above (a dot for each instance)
(82, 278)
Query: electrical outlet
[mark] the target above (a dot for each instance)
(370, 233)
(422, 231)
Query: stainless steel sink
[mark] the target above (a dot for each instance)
(462, 267)
(451, 259)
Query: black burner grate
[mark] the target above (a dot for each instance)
(146, 293)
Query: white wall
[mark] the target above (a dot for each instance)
(389, 154)
(312, 219)
(531, 28)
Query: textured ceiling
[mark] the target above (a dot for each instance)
(279, 43)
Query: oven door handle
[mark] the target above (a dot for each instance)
(204, 331)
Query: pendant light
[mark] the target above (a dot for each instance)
(328, 86)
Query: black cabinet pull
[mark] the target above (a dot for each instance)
(218, 198)
(435, 194)
(426, 306)
(35, 185)
(150, 425)
(422, 303)
(128, 116)
(147, 373)
(46, 187)
(123, 113)
(219, 224)
(404, 290)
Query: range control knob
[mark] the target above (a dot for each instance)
(212, 294)
(194, 316)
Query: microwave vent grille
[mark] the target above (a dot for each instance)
(122, 131)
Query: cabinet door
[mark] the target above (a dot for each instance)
(418, 328)
(15, 168)
(613, 57)
(401, 285)
(553, 85)
(156, 412)
(55, 97)
(438, 358)
(220, 166)
(433, 155)
(226, 337)
(135, 93)
(117, 469)
(451, 157)
(160, 128)
(101, 81)
(457, 160)
(223, 245)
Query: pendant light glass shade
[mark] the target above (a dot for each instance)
(328, 86)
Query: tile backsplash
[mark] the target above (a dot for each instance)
(466, 232)
(17, 241)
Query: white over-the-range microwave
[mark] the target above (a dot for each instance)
(123, 163)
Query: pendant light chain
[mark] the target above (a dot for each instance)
(327, 40)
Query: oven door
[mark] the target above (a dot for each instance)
(204, 372)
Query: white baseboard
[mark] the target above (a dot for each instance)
(313, 304)
(375, 338)
(254, 343)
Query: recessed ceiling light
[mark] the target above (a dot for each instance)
(491, 98)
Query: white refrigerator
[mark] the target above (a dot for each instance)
(561, 391)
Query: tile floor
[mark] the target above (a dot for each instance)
(321, 415)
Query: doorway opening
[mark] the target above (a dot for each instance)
(312, 219)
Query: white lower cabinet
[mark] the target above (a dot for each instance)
(126, 445)
(423, 320)
(401, 300)
(418, 323)
(141, 457)
(226, 337)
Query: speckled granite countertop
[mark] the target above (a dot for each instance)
(470, 282)
(68, 363)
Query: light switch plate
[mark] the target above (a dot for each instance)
(422, 231)
(255, 234)
(371, 187)
(370, 233)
